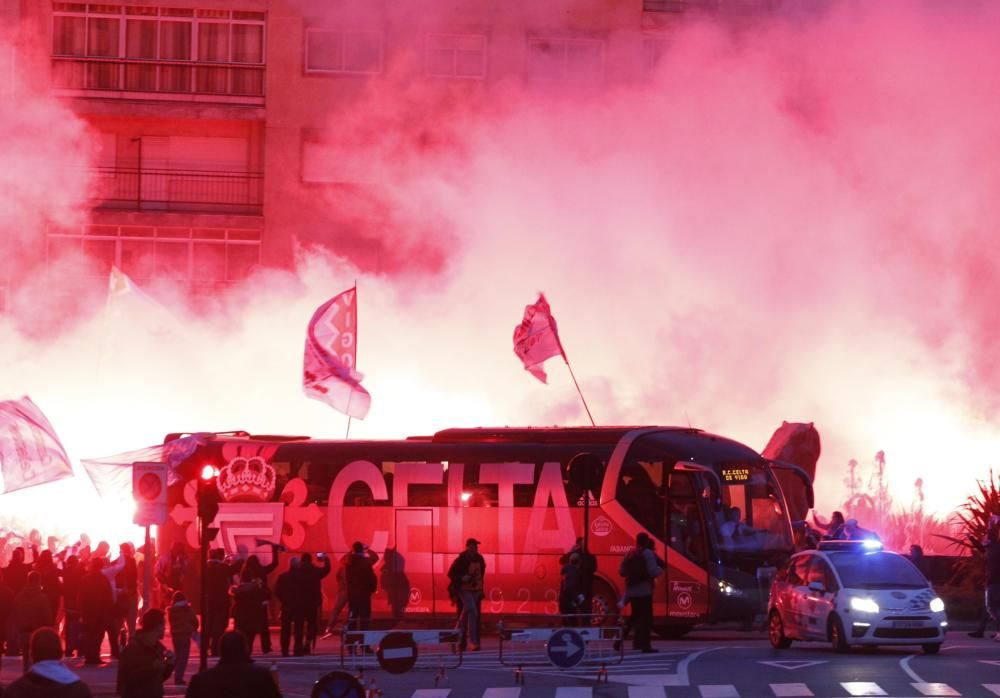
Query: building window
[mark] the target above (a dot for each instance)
(163, 50)
(456, 55)
(329, 51)
(570, 61)
(200, 256)
(653, 49)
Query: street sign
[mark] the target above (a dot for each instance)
(565, 648)
(149, 488)
(397, 653)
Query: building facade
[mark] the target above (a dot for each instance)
(214, 116)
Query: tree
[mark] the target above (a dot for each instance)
(972, 520)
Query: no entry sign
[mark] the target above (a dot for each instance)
(397, 653)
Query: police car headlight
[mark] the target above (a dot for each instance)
(863, 605)
(937, 605)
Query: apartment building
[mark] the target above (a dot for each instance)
(212, 115)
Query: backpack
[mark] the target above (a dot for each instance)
(636, 571)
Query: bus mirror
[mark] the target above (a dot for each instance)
(585, 471)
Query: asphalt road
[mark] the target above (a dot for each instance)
(706, 664)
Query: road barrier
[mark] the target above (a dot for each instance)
(580, 640)
(399, 651)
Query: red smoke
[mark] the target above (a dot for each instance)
(792, 219)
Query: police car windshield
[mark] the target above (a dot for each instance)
(878, 570)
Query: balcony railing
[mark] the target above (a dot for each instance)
(179, 190)
(665, 5)
(168, 79)
(737, 6)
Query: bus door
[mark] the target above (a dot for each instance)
(686, 583)
(408, 574)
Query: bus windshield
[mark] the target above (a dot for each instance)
(751, 516)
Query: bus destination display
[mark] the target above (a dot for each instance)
(735, 473)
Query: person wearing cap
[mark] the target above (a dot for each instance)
(466, 576)
(48, 676)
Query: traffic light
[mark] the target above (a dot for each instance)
(208, 499)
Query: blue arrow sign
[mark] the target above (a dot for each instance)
(565, 648)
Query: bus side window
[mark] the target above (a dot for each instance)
(641, 497)
(687, 530)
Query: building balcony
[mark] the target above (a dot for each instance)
(189, 81)
(153, 190)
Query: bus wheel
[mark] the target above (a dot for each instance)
(603, 604)
(673, 632)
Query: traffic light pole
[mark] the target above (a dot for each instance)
(203, 553)
(147, 571)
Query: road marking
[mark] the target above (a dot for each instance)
(574, 692)
(432, 693)
(646, 692)
(791, 665)
(788, 690)
(863, 688)
(994, 662)
(993, 688)
(904, 664)
(507, 692)
(935, 689)
(724, 690)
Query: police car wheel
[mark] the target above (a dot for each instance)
(776, 632)
(931, 647)
(838, 640)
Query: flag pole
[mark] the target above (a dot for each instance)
(350, 395)
(579, 392)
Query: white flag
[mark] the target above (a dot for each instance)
(328, 373)
(537, 338)
(30, 452)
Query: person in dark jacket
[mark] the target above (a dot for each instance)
(183, 626)
(234, 675)
(127, 589)
(31, 612)
(466, 582)
(640, 567)
(15, 573)
(145, 663)
(311, 578)
(97, 607)
(361, 584)
(259, 571)
(288, 590)
(72, 573)
(248, 598)
(6, 611)
(218, 579)
(48, 676)
(51, 581)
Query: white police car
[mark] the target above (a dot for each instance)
(854, 593)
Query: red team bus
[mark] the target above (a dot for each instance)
(714, 508)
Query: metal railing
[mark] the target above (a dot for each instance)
(723, 6)
(176, 79)
(179, 190)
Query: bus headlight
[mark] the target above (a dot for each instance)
(937, 605)
(728, 589)
(863, 605)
